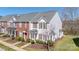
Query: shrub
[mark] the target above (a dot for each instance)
(40, 42)
(6, 35)
(20, 39)
(50, 42)
(32, 41)
(76, 41)
(28, 40)
(1, 33)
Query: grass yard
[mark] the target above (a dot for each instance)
(6, 48)
(66, 44)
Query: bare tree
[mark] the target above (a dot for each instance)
(70, 13)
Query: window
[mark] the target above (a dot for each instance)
(20, 34)
(8, 24)
(20, 24)
(32, 35)
(44, 37)
(34, 25)
(42, 25)
(25, 25)
(14, 24)
(60, 30)
(2, 23)
(40, 36)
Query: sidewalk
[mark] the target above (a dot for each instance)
(2, 49)
(11, 46)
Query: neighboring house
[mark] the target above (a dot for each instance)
(7, 25)
(43, 26)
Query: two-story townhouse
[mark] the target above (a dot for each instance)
(7, 25)
(44, 26)
(22, 25)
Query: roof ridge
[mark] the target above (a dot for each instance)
(36, 15)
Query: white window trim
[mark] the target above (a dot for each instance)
(42, 23)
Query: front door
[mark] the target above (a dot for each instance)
(25, 36)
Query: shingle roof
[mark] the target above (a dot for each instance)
(26, 17)
(7, 18)
(47, 16)
(31, 17)
(35, 17)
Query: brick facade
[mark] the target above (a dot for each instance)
(24, 29)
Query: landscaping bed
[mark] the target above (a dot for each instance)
(11, 41)
(4, 38)
(38, 47)
(34, 49)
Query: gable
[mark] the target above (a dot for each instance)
(55, 22)
(42, 20)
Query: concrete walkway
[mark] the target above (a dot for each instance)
(17, 43)
(11, 46)
(6, 39)
(25, 45)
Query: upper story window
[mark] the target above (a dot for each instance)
(20, 24)
(8, 24)
(42, 25)
(34, 25)
(2, 24)
(26, 24)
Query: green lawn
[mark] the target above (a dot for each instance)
(6, 48)
(66, 44)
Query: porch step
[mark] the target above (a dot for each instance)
(25, 45)
(16, 43)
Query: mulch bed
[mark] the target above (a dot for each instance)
(4, 38)
(11, 41)
(20, 44)
(37, 46)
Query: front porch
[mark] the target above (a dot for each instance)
(11, 31)
(43, 36)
